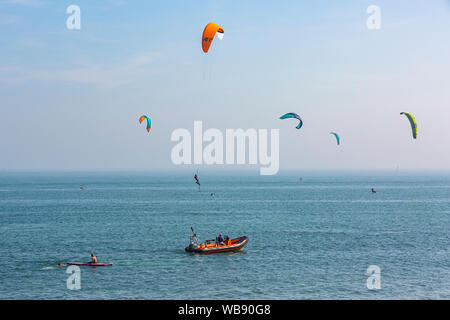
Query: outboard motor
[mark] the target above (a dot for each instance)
(193, 243)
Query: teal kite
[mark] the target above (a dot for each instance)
(337, 137)
(294, 116)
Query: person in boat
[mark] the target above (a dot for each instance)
(220, 239)
(227, 240)
(94, 259)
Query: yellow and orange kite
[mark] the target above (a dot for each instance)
(209, 33)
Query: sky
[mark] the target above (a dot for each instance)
(71, 99)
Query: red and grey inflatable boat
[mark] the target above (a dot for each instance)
(211, 246)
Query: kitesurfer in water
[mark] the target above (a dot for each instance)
(373, 190)
(197, 181)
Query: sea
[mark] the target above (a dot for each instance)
(312, 235)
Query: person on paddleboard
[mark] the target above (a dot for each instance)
(94, 259)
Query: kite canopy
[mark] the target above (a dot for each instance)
(413, 123)
(337, 137)
(295, 116)
(149, 122)
(209, 33)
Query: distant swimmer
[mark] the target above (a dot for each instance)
(60, 265)
(373, 190)
(212, 194)
(81, 187)
(301, 179)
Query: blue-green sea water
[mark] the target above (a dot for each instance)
(309, 239)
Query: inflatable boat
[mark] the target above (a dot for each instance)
(211, 246)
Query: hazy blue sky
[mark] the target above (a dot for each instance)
(70, 99)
